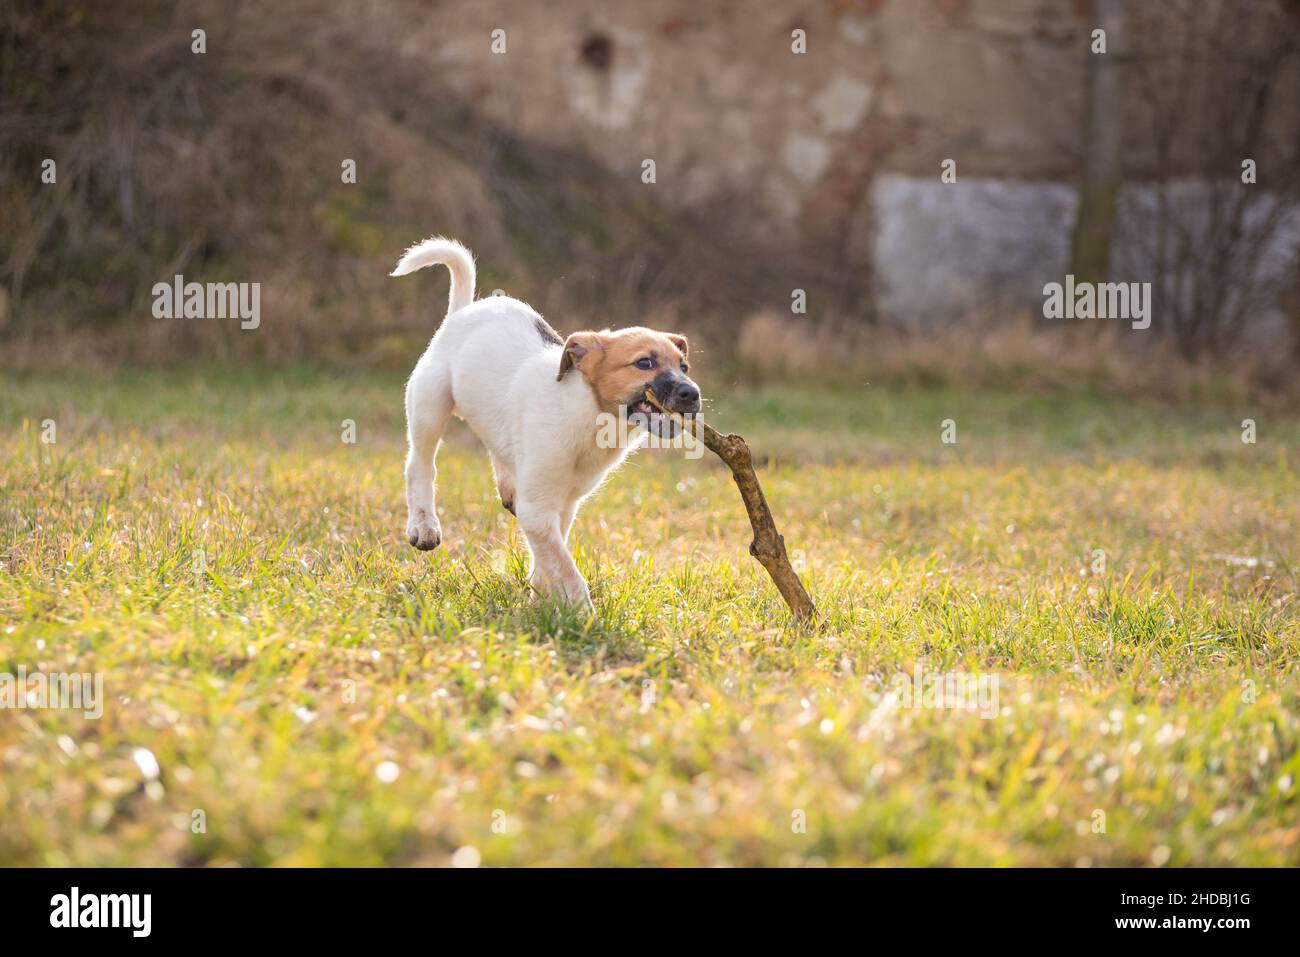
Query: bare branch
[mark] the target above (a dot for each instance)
(768, 546)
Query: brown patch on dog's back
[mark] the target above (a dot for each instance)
(549, 335)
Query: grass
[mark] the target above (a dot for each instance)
(316, 692)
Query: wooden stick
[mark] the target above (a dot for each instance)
(768, 546)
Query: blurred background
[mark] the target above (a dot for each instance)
(799, 152)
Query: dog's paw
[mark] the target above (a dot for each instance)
(573, 593)
(424, 533)
(583, 604)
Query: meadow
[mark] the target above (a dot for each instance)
(287, 682)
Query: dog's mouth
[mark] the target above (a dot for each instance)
(672, 397)
(641, 414)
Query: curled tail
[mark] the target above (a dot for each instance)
(449, 253)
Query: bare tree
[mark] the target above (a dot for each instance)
(1221, 92)
(1104, 132)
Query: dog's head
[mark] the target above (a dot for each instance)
(620, 366)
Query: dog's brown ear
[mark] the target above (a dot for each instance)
(681, 343)
(576, 348)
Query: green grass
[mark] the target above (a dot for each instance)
(239, 576)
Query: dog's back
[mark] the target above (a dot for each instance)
(495, 353)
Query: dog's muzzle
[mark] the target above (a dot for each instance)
(676, 393)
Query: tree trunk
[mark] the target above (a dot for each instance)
(1103, 137)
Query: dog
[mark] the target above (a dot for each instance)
(536, 401)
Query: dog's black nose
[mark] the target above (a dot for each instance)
(688, 396)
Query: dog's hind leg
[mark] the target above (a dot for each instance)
(569, 512)
(429, 406)
(505, 482)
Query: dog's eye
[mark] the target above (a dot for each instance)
(685, 367)
(645, 362)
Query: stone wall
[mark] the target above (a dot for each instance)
(714, 94)
(839, 147)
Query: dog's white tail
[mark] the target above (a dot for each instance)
(449, 253)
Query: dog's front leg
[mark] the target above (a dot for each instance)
(554, 572)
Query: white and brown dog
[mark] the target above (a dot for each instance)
(499, 366)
